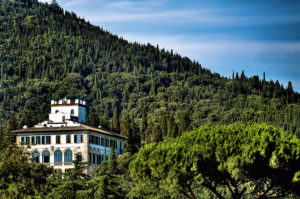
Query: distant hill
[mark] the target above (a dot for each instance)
(48, 53)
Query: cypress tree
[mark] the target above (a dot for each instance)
(129, 129)
(144, 125)
(112, 162)
(94, 119)
(26, 118)
(116, 121)
(156, 134)
(171, 131)
(105, 121)
(163, 125)
(11, 125)
(184, 121)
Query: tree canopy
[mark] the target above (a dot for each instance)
(47, 53)
(235, 161)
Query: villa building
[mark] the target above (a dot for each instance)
(56, 141)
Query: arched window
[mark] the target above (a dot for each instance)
(68, 155)
(57, 156)
(46, 156)
(72, 111)
(36, 157)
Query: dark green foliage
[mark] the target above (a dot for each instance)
(26, 119)
(171, 131)
(112, 163)
(72, 184)
(116, 121)
(93, 119)
(156, 135)
(46, 53)
(19, 177)
(144, 125)
(10, 126)
(233, 161)
(130, 129)
(163, 125)
(105, 121)
(184, 121)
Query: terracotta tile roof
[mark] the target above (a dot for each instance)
(82, 127)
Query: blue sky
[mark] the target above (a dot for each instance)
(255, 36)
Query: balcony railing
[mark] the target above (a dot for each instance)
(58, 163)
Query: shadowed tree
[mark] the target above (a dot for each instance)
(26, 118)
(116, 121)
(10, 126)
(94, 119)
(129, 129)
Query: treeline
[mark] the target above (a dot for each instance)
(240, 161)
(48, 53)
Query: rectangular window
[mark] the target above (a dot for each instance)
(38, 140)
(27, 140)
(58, 139)
(102, 141)
(107, 142)
(77, 138)
(121, 147)
(48, 139)
(68, 138)
(94, 159)
(90, 139)
(81, 137)
(22, 140)
(118, 144)
(90, 158)
(33, 140)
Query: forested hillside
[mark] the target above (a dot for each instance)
(48, 53)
